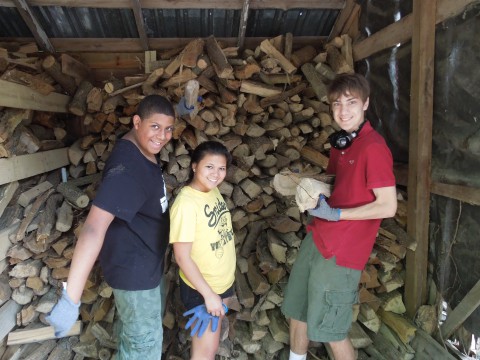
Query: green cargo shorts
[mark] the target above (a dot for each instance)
(321, 294)
(139, 324)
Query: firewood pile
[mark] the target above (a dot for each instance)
(268, 106)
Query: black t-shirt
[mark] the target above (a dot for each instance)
(133, 190)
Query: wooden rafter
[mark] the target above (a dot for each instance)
(137, 11)
(191, 4)
(38, 33)
(243, 24)
(466, 194)
(343, 18)
(464, 309)
(401, 31)
(105, 45)
(420, 151)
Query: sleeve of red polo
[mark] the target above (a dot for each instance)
(379, 167)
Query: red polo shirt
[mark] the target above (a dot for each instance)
(367, 164)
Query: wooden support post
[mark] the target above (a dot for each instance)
(420, 151)
(150, 58)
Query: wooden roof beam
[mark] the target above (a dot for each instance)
(137, 11)
(38, 33)
(106, 45)
(343, 18)
(191, 4)
(401, 31)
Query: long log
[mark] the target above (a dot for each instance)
(21, 167)
(223, 69)
(21, 97)
(73, 194)
(53, 68)
(271, 51)
(275, 99)
(37, 335)
(78, 106)
(315, 80)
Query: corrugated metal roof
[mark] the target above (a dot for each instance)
(300, 22)
(76, 22)
(12, 24)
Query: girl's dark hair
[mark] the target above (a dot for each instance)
(155, 104)
(354, 84)
(209, 148)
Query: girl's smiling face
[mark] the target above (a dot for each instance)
(209, 172)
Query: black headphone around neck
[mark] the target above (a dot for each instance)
(341, 139)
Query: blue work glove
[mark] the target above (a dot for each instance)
(183, 109)
(324, 211)
(201, 318)
(63, 315)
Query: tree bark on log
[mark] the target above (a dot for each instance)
(53, 68)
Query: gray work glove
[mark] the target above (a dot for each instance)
(63, 315)
(324, 211)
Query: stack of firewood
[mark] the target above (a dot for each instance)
(268, 106)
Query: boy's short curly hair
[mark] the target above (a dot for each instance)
(155, 104)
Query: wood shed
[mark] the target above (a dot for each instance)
(73, 73)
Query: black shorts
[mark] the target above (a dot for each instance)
(191, 297)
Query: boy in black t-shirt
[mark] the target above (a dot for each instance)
(128, 227)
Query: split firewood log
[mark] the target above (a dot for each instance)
(308, 192)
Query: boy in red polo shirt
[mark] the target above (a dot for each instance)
(323, 283)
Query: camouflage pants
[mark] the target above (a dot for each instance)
(139, 324)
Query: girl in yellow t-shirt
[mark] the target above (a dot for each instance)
(203, 243)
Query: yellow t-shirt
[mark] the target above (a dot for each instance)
(204, 219)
